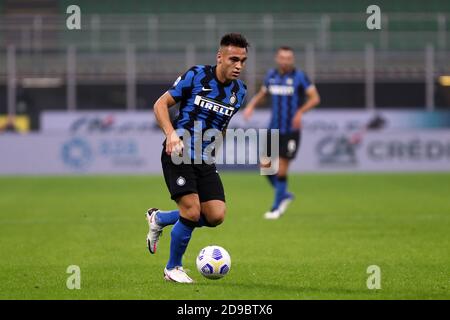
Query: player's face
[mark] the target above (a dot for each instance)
(231, 61)
(285, 60)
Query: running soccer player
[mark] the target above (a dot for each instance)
(293, 95)
(209, 96)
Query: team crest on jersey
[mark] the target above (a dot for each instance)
(233, 99)
(289, 81)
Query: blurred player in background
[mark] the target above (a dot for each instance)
(210, 96)
(293, 95)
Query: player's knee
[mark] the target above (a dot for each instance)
(192, 211)
(217, 218)
(215, 221)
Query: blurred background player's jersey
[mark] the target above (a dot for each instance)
(288, 94)
(205, 103)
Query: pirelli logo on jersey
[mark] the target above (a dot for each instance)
(281, 90)
(214, 106)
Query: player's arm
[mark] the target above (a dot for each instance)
(161, 110)
(175, 94)
(254, 102)
(312, 100)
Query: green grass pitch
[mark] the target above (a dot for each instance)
(320, 249)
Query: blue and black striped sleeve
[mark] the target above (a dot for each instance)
(244, 92)
(183, 85)
(304, 82)
(267, 79)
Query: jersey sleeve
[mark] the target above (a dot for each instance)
(267, 79)
(183, 85)
(244, 93)
(304, 82)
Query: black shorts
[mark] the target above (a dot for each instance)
(183, 179)
(289, 144)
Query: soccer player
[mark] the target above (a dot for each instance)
(293, 95)
(209, 96)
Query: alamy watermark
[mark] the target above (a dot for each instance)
(232, 146)
(73, 22)
(74, 280)
(373, 22)
(374, 279)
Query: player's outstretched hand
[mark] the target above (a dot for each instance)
(174, 144)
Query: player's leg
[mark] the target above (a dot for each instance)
(207, 208)
(280, 189)
(214, 212)
(293, 145)
(267, 152)
(288, 150)
(189, 208)
(271, 178)
(180, 180)
(282, 196)
(167, 218)
(158, 219)
(212, 196)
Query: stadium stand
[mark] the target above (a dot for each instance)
(165, 37)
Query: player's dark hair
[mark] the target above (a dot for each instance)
(285, 48)
(234, 39)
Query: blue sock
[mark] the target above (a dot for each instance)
(181, 234)
(272, 179)
(167, 218)
(280, 191)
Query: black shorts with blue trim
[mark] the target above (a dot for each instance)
(185, 178)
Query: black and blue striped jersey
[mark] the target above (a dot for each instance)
(206, 102)
(288, 94)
